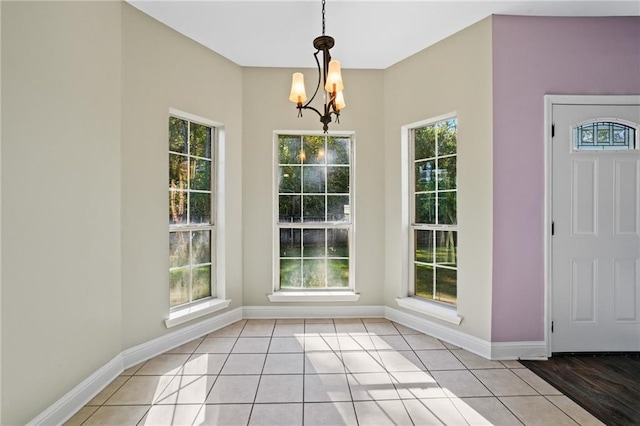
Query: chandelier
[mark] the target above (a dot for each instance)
(329, 74)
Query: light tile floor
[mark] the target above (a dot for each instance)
(327, 372)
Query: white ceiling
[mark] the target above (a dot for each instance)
(370, 34)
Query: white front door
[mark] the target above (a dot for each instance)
(595, 287)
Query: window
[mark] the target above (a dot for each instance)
(314, 212)
(604, 135)
(433, 195)
(191, 210)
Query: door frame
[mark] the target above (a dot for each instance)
(549, 102)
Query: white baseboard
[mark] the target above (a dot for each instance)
(272, 312)
(155, 347)
(519, 350)
(448, 334)
(62, 410)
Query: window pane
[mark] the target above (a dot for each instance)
(313, 243)
(314, 208)
(338, 180)
(425, 208)
(177, 135)
(424, 281)
(200, 207)
(290, 273)
(290, 242)
(338, 150)
(201, 247)
(313, 273)
(313, 150)
(338, 273)
(446, 285)
(200, 141)
(289, 180)
(447, 208)
(177, 171)
(177, 207)
(338, 208)
(425, 176)
(289, 149)
(201, 282)
(604, 135)
(337, 242)
(201, 175)
(289, 208)
(178, 249)
(447, 175)
(424, 246)
(447, 138)
(178, 286)
(425, 143)
(447, 248)
(313, 179)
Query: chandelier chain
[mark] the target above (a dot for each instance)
(323, 3)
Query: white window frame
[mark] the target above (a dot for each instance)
(198, 308)
(442, 311)
(346, 294)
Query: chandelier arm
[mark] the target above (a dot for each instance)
(311, 108)
(315, 55)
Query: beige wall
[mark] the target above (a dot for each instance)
(266, 108)
(162, 70)
(86, 91)
(451, 76)
(61, 313)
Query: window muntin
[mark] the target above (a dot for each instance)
(604, 135)
(314, 200)
(191, 212)
(434, 230)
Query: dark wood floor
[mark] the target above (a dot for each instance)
(608, 386)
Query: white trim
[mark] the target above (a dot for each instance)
(519, 350)
(350, 225)
(147, 350)
(196, 310)
(217, 227)
(274, 312)
(444, 313)
(313, 296)
(64, 408)
(549, 101)
(450, 335)
(407, 210)
(194, 118)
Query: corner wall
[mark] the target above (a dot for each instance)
(61, 288)
(266, 108)
(163, 69)
(454, 75)
(534, 56)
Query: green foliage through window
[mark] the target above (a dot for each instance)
(191, 171)
(314, 211)
(434, 211)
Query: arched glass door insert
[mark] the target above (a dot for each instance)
(605, 135)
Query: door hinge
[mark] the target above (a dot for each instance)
(552, 326)
(553, 130)
(553, 228)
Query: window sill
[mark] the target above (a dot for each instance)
(180, 316)
(313, 296)
(444, 313)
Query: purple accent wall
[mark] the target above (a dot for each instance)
(534, 56)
